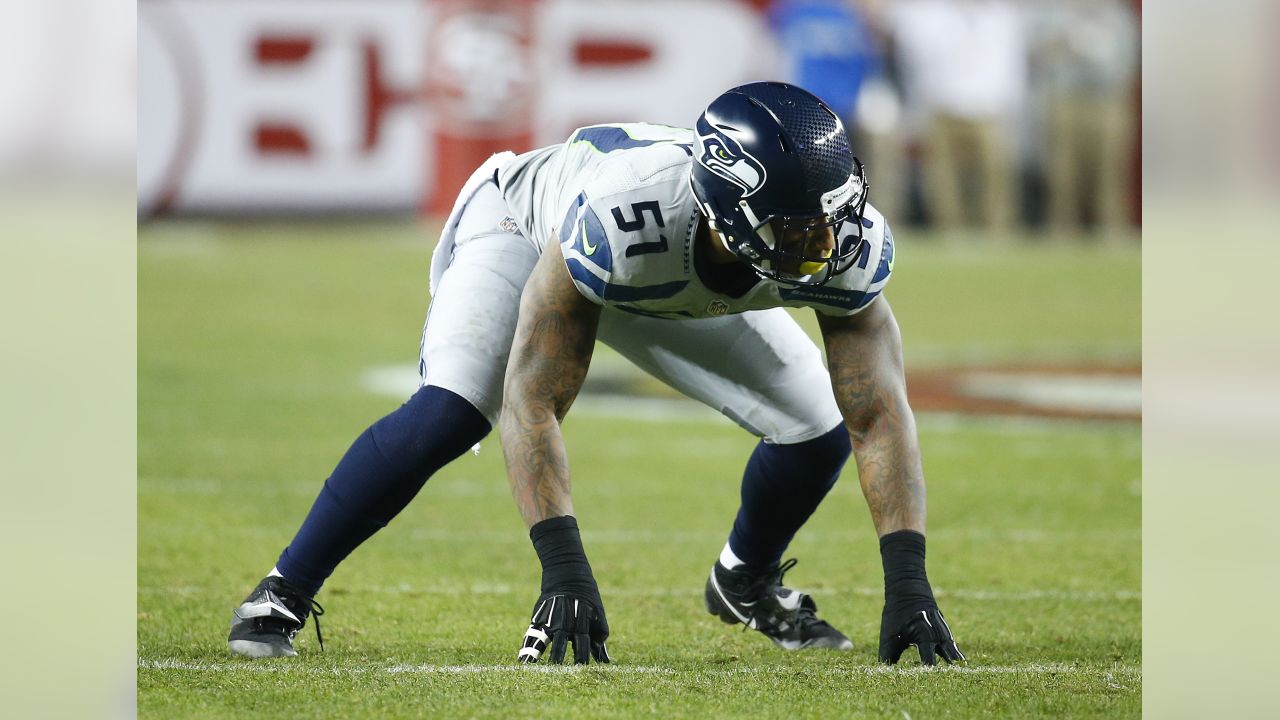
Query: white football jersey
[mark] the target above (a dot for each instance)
(617, 199)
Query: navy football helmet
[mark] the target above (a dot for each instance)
(775, 177)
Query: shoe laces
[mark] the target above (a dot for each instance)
(293, 596)
(768, 580)
(316, 612)
(765, 585)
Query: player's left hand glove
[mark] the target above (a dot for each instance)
(560, 619)
(925, 628)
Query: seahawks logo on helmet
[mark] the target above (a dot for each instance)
(723, 156)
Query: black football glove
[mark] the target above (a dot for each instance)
(924, 628)
(911, 615)
(563, 618)
(569, 609)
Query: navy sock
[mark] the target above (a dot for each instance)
(382, 471)
(782, 486)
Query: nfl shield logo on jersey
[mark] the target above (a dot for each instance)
(717, 308)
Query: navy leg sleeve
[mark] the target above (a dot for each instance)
(382, 471)
(782, 486)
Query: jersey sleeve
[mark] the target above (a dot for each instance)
(584, 244)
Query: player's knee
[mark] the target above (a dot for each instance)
(430, 429)
(819, 459)
(831, 448)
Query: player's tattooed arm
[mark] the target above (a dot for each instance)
(864, 356)
(549, 357)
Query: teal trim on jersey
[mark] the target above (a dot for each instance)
(608, 138)
(621, 293)
(835, 297)
(582, 228)
(886, 257)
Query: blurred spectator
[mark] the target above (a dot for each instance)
(828, 48)
(963, 66)
(831, 49)
(1085, 56)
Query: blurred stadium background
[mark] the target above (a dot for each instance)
(1022, 112)
(1000, 127)
(294, 161)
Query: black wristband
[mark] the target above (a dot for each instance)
(905, 581)
(564, 562)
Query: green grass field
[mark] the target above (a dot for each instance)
(252, 343)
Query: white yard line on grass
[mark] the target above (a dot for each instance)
(295, 667)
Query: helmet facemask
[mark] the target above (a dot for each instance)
(800, 249)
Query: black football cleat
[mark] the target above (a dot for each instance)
(266, 622)
(758, 600)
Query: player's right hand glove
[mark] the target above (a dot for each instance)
(569, 609)
(563, 618)
(911, 615)
(925, 628)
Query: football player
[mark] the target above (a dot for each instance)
(679, 249)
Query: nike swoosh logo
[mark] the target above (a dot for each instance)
(266, 608)
(749, 622)
(590, 249)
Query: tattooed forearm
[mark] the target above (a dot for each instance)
(864, 355)
(549, 358)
